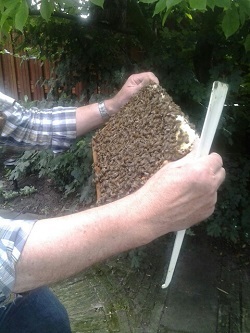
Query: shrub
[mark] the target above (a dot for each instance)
(232, 215)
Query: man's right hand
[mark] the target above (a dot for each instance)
(179, 195)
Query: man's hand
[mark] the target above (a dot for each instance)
(179, 195)
(133, 84)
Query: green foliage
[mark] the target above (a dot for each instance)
(232, 214)
(14, 13)
(25, 191)
(234, 15)
(71, 170)
(173, 56)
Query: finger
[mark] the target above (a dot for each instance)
(214, 161)
(144, 78)
(152, 77)
(221, 175)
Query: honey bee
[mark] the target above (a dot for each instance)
(136, 141)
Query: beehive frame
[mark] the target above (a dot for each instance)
(136, 141)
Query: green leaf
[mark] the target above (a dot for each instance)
(172, 3)
(21, 15)
(147, 1)
(230, 22)
(165, 16)
(244, 5)
(189, 16)
(47, 8)
(211, 4)
(98, 2)
(223, 3)
(160, 6)
(242, 16)
(9, 12)
(198, 4)
(1, 6)
(247, 43)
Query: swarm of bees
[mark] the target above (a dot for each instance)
(135, 142)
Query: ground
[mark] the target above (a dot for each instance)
(47, 200)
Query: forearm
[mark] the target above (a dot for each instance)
(60, 247)
(179, 195)
(89, 118)
(38, 129)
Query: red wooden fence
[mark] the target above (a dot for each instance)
(20, 78)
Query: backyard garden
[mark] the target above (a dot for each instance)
(188, 44)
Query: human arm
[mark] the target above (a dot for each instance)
(88, 117)
(179, 195)
(57, 128)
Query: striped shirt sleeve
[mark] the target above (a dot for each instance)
(37, 129)
(13, 236)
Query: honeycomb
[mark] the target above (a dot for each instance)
(136, 141)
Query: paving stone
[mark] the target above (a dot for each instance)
(191, 298)
(8, 214)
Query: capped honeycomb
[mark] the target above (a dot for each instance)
(134, 143)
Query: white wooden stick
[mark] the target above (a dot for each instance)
(215, 107)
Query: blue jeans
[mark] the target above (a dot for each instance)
(38, 311)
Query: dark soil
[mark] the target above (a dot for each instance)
(47, 200)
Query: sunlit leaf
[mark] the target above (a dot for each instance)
(47, 8)
(189, 16)
(160, 6)
(21, 15)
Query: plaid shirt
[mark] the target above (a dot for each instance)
(50, 128)
(13, 235)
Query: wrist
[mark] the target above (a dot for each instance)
(111, 106)
(103, 111)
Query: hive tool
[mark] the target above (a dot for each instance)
(215, 107)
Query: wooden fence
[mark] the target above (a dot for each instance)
(20, 77)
